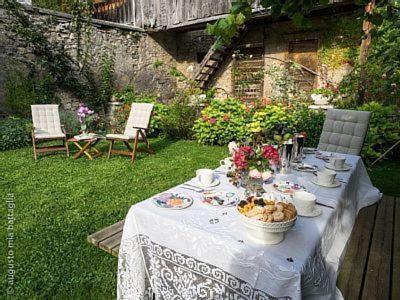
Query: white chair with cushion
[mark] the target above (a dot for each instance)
(344, 131)
(135, 130)
(47, 127)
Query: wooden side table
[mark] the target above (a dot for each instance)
(86, 147)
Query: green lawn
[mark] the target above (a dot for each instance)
(60, 201)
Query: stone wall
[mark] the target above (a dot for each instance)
(274, 38)
(132, 49)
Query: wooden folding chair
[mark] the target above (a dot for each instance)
(135, 131)
(47, 127)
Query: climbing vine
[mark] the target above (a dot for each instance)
(70, 73)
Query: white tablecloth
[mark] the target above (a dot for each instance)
(203, 252)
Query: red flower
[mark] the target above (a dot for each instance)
(239, 159)
(246, 150)
(225, 118)
(212, 120)
(270, 152)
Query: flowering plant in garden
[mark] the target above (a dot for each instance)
(83, 112)
(257, 160)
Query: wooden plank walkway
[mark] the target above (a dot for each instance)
(371, 267)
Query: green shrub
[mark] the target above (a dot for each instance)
(19, 94)
(178, 120)
(384, 129)
(272, 120)
(309, 121)
(70, 121)
(14, 133)
(223, 121)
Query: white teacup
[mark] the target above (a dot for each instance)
(326, 177)
(304, 202)
(337, 161)
(227, 163)
(205, 176)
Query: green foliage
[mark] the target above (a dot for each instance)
(339, 43)
(19, 94)
(309, 121)
(14, 133)
(70, 121)
(128, 96)
(178, 120)
(62, 69)
(222, 121)
(107, 72)
(384, 129)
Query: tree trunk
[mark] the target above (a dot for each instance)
(365, 44)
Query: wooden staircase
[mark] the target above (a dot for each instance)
(214, 58)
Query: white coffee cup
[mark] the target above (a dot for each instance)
(227, 163)
(326, 177)
(337, 161)
(205, 176)
(304, 202)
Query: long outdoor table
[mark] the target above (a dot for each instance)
(203, 252)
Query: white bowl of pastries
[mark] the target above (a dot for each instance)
(266, 220)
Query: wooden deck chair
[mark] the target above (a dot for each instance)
(135, 130)
(47, 127)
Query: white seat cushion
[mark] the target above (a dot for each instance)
(48, 135)
(344, 131)
(122, 136)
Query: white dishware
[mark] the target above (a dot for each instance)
(346, 167)
(205, 177)
(336, 183)
(304, 202)
(266, 233)
(326, 177)
(227, 164)
(337, 161)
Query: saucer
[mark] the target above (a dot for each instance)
(172, 200)
(346, 167)
(333, 185)
(315, 213)
(214, 183)
(308, 150)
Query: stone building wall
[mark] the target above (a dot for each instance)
(132, 49)
(274, 38)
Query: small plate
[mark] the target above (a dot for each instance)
(220, 198)
(333, 185)
(308, 150)
(305, 168)
(346, 167)
(214, 183)
(172, 201)
(288, 187)
(315, 213)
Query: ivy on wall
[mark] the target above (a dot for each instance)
(339, 43)
(70, 73)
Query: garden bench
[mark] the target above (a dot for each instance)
(372, 261)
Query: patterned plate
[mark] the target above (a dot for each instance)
(220, 198)
(172, 201)
(288, 187)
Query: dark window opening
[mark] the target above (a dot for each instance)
(200, 56)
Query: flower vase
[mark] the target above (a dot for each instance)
(83, 129)
(253, 186)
